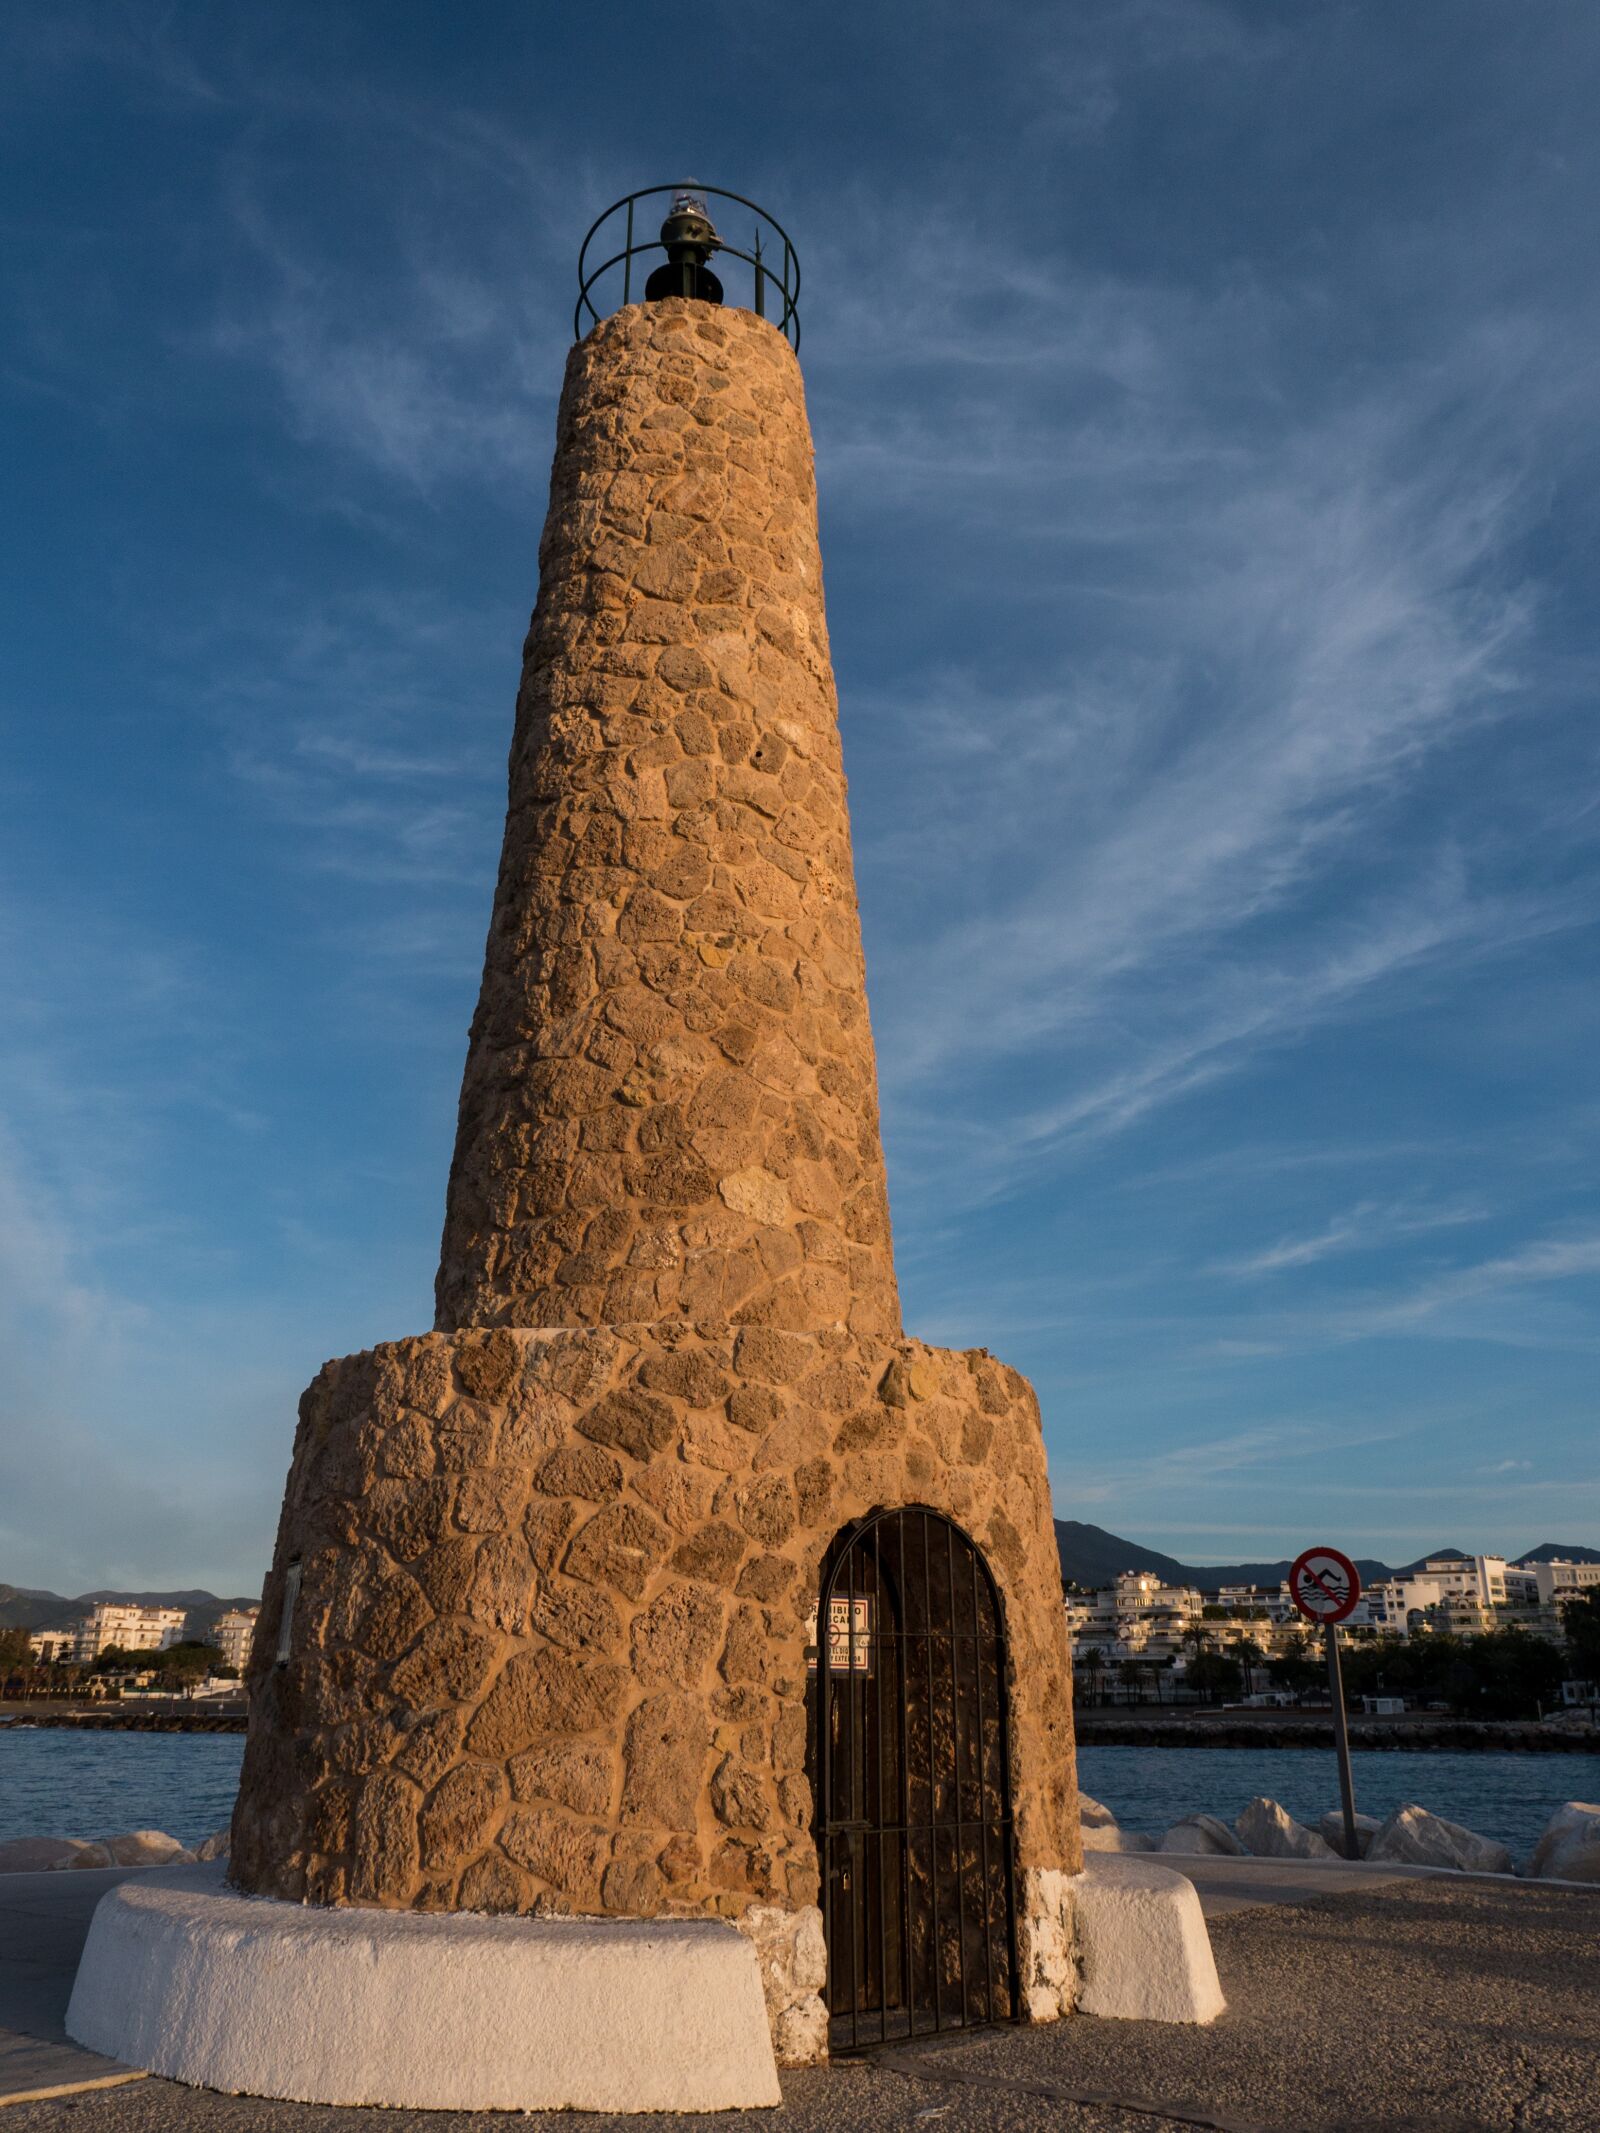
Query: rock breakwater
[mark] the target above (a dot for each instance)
(1120, 1729)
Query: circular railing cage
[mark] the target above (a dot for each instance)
(687, 241)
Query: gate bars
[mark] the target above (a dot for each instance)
(912, 1769)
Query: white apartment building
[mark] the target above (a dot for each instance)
(1470, 1577)
(1398, 1604)
(233, 1633)
(1242, 1601)
(1135, 1616)
(131, 1629)
(1561, 1580)
(50, 1645)
(1470, 1587)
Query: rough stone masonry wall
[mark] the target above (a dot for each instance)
(549, 1649)
(669, 1109)
(557, 1561)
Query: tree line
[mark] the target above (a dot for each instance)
(177, 1668)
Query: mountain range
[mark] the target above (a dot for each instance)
(25, 1607)
(1091, 1556)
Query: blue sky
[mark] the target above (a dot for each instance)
(1205, 400)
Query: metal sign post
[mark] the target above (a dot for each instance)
(1325, 1587)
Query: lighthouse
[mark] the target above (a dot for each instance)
(665, 1632)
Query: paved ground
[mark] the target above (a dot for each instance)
(43, 1920)
(1410, 2004)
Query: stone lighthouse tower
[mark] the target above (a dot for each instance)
(666, 1580)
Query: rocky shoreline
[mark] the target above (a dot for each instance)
(134, 1847)
(115, 1721)
(1567, 1850)
(1118, 1729)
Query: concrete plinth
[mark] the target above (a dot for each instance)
(1143, 1949)
(184, 1977)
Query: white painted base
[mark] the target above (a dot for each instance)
(1143, 1950)
(184, 1977)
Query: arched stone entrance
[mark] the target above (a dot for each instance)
(911, 1756)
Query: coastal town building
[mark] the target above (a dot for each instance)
(1399, 1605)
(1135, 1617)
(1470, 1577)
(1137, 1622)
(128, 1628)
(51, 1646)
(1253, 1602)
(233, 1633)
(1561, 1580)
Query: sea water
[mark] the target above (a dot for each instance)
(57, 1782)
(60, 1783)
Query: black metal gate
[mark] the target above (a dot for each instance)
(911, 1767)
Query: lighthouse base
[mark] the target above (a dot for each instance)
(186, 1978)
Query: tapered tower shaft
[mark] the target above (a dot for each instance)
(669, 1109)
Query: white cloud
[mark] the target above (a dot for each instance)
(1363, 1228)
(1546, 1260)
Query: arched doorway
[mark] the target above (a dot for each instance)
(910, 1767)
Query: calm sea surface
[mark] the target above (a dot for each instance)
(63, 1784)
(56, 1783)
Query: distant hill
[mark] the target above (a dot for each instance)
(1091, 1556)
(25, 1607)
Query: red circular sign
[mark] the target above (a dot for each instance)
(1324, 1585)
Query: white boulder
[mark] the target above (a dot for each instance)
(1271, 1832)
(87, 1855)
(147, 1847)
(1094, 1814)
(1331, 1829)
(1201, 1833)
(1413, 1837)
(1108, 1838)
(215, 1846)
(1569, 1847)
(38, 1855)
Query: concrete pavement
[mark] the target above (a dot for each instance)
(1361, 2000)
(43, 1921)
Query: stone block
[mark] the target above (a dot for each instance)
(1569, 1845)
(1269, 1831)
(1413, 1837)
(1144, 1953)
(1331, 1831)
(1202, 1834)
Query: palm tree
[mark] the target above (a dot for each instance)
(1093, 1664)
(1249, 1654)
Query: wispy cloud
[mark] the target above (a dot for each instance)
(435, 356)
(1117, 884)
(1365, 1227)
(1549, 1260)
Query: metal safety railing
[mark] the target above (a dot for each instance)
(772, 259)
